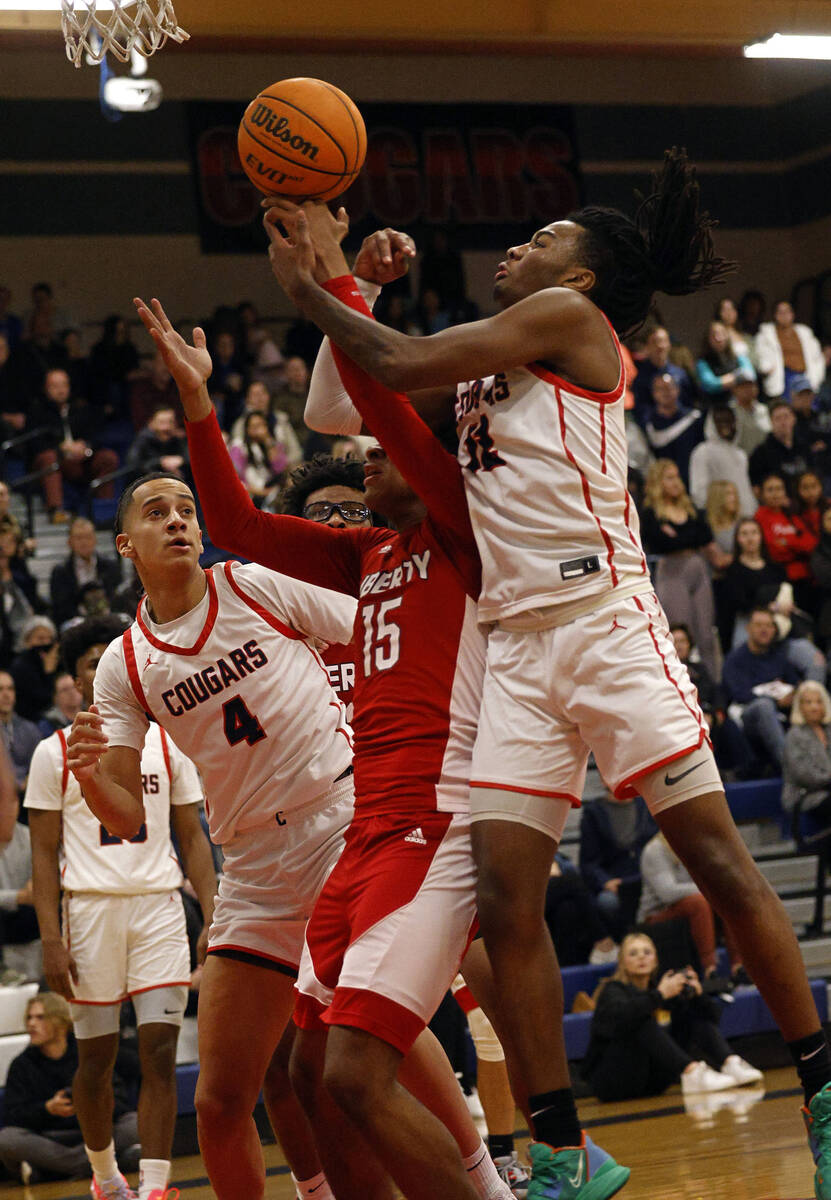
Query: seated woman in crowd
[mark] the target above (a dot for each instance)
(672, 528)
(716, 368)
(809, 504)
(728, 314)
(806, 765)
(789, 542)
(667, 891)
(723, 515)
(753, 581)
(259, 460)
(645, 1031)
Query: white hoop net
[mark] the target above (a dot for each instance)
(111, 29)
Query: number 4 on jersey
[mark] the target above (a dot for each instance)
(481, 447)
(239, 724)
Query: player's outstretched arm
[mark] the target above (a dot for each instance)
(544, 326)
(190, 366)
(58, 964)
(110, 776)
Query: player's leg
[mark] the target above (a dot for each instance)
(352, 1168)
(158, 970)
(157, 1104)
(492, 1081)
(243, 1010)
(420, 1154)
(427, 1074)
(291, 1125)
(512, 919)
(92, 1092)
(410, 910)
(99, 928)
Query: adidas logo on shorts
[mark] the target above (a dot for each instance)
(416, 836)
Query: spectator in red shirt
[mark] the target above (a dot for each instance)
(788, 542)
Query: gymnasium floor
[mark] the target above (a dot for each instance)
(754, 1150)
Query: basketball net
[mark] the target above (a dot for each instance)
(117, 32)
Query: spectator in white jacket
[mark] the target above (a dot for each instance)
(785, 349)
(720, 458)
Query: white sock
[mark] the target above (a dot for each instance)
(317, 1186)
(103, 1163)
(153, 1176)
(483, 1174)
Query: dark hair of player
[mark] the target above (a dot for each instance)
(127, 495)
(97, 631)
(322, 471)
(667, 247)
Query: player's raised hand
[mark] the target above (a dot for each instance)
(86, 744)
(384, 256)
(326, 231)
(59, 968)
(190, 366)
(292, 258)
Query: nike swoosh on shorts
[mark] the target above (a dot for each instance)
(670, 780)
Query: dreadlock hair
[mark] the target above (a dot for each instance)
(322, 471)
(667, 247)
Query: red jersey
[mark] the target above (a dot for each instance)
(419, 652)
(789, 540)
(340, 667)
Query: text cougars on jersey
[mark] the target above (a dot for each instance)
(385, 581)
(212, 680)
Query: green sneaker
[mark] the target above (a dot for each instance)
(818, 1123)
(583, 1172)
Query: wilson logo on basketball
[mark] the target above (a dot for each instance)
(265, 118)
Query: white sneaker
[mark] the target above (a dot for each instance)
(740, 1072)
(701, 1078)
(474, 1105)
(511, 1171)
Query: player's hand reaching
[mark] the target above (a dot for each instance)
(85, 745)
(59, 968)
(384, 256)
(190, 366)
(292, 258)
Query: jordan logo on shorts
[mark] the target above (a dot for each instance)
(616, 625)
(416, 836)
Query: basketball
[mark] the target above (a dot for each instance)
(302, 138)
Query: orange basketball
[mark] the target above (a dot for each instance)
(302, 138)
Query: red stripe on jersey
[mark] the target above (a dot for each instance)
(568, 386)
(603, 440)
(166, 753)
(268, 617)
(632, 538)
(526, 791)
(607, 541)
(132, 670)
(626, 788)
(697, 715)
(65, 770)
(213, 608)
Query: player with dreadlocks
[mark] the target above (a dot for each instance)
(579, 652)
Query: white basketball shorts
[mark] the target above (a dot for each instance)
(126, 945)
(272, 876)
(610, 682)
(391, 926)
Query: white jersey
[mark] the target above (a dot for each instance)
(545, 468)
(93, 860)
(239, 685)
